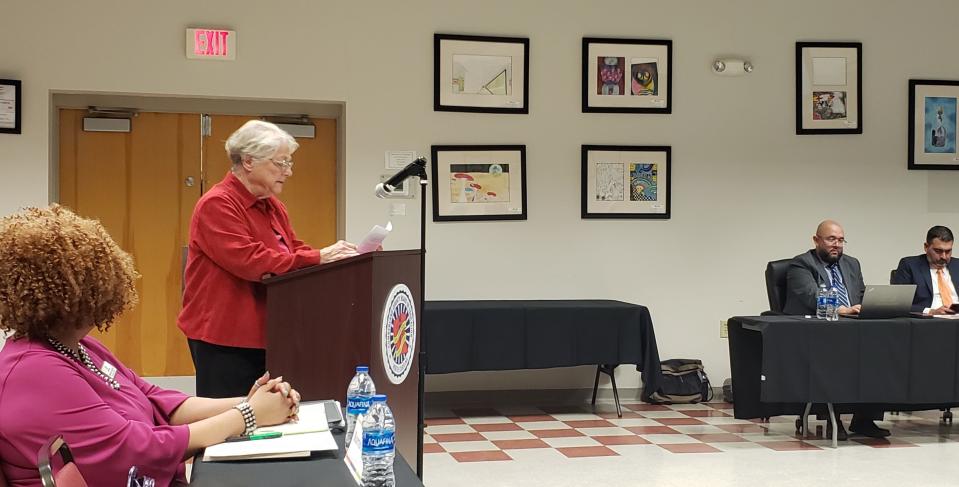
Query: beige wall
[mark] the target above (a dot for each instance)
(746, 189)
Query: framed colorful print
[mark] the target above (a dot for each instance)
(627, 75)
(10, 106)
(480, 74)
(626, 181)
(479, 182)
(932, 124)
(828, 88)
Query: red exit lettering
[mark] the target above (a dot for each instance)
(211, 43)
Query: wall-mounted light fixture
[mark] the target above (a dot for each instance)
(732, 67)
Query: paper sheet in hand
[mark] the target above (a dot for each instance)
(373, 239)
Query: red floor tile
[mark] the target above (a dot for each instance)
(566, 409)
(883, 442)
(742, 428)
(718, 438)
(621, 440)
(529, 418)
(443, 421)
(690, 448)
(626, 415)
(560, 433)
(678, 421)
(448, 437)
(647, 407)
(705, 413)
(587, 451)
(520, 444)
(433, 448)
(590, 423)
(481, 456)
(652, 430)
(788, 445)
(720, 405)
(475, 412)
(496, 427)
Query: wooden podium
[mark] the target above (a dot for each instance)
(323, 321)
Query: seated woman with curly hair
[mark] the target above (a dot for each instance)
(61, 276)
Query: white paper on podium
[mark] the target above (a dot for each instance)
(375, 238)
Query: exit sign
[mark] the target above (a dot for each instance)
(214, 44)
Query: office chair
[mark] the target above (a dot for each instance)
(776, 285)
(67, 475)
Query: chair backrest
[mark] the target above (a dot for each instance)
(776, 284)
(66, 476)
(3, 480)
(892, 276)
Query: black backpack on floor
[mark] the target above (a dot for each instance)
(684, 381)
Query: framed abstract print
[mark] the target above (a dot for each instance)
(627, 75)
(932, 124)
(480, 74)
(479, 182)
(828, 88)
(626, 181)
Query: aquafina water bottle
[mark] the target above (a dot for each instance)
(821, 302)
(833, 306)
(379, 430)
(359, 395)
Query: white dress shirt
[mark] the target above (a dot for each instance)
(936, 295)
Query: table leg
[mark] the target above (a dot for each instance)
(612, 380)
(835, 425)
(805, 420)
(599, 368)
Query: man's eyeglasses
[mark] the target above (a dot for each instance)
(834, 240)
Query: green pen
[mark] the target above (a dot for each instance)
(261, 436)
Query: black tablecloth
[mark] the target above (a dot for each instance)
(898, 364)
(322, 468)
(460, 336)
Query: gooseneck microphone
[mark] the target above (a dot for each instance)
(416, 168)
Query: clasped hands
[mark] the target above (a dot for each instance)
(273, 401)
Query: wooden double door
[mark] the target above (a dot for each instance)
(143, 184)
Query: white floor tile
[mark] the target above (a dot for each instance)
(662, 414)
(487, 420)
(697, 429)
(634, 422)
(542, 425)
(444, 429)
(575, 416)
(571, 441)
(508, 435)
(604, 431)
(458, 446)
(670, 439)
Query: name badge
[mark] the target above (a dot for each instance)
(108, 369)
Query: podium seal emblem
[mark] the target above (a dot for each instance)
(398, 333)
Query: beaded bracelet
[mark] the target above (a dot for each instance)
(249, 419)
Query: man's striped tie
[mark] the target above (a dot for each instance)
(837, 283)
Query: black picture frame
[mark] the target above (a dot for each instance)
(446, 46)
(463, 172)
(944, 153)
(10, 123)
(814, 112)
(615, 180)
(635, 98)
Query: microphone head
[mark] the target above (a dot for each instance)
(382, 190)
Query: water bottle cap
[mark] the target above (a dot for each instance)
(362, 368)
(379, 398)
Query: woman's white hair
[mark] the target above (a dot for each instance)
(258, 140)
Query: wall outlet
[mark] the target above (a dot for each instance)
(723, 329)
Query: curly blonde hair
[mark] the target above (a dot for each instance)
(59, 270)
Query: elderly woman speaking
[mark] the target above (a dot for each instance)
(240, 232)
(61, 276)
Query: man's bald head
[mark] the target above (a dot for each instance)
(829, 240)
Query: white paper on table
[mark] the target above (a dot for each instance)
(286, 445)
(312, 419)
(375, 238)
(947, 317)
(354, 453)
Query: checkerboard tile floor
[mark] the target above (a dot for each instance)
(500, 434)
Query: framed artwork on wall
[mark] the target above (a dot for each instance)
(932, 124)
(828, 88)
(627, 75)
(10, 101)
(626, 181)
(479, 182)
(480, 74)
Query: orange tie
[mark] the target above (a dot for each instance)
(944, 291)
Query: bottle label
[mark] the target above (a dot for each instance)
(377, 442)
(358, 404)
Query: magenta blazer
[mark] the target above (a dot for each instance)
(43, 393)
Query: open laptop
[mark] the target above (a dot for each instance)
(887, 301)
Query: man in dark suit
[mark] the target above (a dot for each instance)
(828, 264)
(934, 273)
